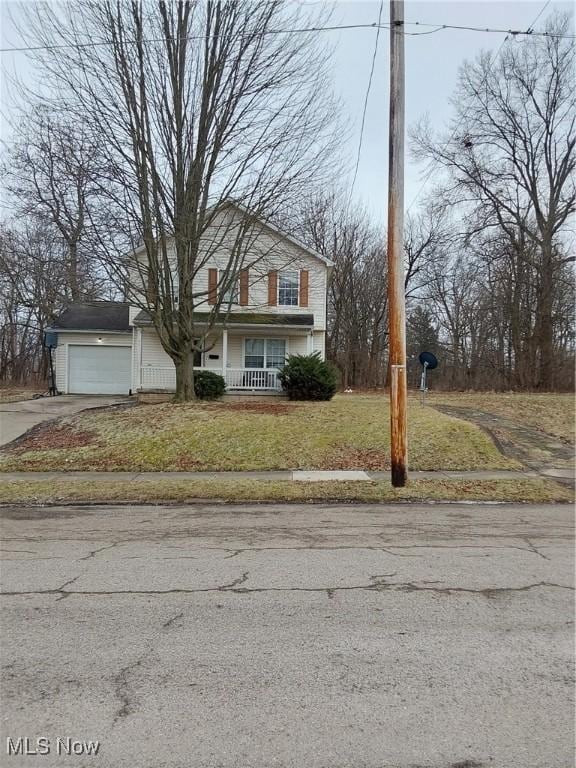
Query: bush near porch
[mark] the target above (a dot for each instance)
(348, 432)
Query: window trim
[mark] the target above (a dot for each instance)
(265, 339)
(280, 273)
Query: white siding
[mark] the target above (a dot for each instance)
(66, 339)
(153, 353)
(298, 345)
(136, 349)
(235, 351)
(319, 343)
(154, 356)
(132, 312)
(267, 251)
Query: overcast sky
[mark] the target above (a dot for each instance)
(432, 63)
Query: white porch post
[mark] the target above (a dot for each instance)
(224, 352)
(310, 342)
(139, 359)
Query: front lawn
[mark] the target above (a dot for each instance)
(550, 413)
(349, 432)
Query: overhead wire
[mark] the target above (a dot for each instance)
(303, 30)
(366, 98)
(459, 123)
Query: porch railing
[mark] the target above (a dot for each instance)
(245, 379)
(252, 378)
(155, 377)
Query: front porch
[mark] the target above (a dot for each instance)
(247, 357)
(163, 379)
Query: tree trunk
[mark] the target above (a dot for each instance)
(185, 378)
(546, 322)
(73, 271)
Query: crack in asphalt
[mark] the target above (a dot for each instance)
(375, 586)
(121, 689)
(94, 552)
(62, 590)
(23, 551)
(535, 549)
(235, 583)
(173, 620)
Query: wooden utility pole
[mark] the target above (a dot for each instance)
(396, 297)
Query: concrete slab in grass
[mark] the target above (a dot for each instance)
(317, 476)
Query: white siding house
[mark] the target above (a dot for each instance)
(278, 309)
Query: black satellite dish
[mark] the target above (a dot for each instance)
(428, 362)
(428, 359)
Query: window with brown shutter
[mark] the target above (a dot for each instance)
(304, 279)
(272, 288)
(244, 287)
(212, 286)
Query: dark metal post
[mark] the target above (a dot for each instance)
(52, 378)
(396, 298)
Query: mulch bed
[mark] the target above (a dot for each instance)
(272, 409)
(48, 437)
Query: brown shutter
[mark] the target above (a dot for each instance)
(304, 287)
(243, 287)
(212, 286)
(272, 288)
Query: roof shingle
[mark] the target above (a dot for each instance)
(94, 316)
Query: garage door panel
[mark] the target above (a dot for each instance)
(99, 370)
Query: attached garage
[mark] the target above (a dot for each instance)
(93, 353)
(95, 369)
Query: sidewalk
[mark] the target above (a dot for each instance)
(561, 475)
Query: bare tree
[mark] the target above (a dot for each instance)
(195, 104)
(357, 296)
(34, 288)
(427, 236)
(511, 158)
(51, 172)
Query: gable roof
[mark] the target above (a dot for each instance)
(273, 228)
(268, 224)
(94, 316)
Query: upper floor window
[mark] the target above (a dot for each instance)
(288, 289)
(230, 290)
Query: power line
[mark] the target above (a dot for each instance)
(302, 30)
(491, 63)
(537, 17)
(379, 27)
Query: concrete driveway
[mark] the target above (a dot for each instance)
(17, 418)
(214, 636)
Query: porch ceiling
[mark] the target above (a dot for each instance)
(258, 319)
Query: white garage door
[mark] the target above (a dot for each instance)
(99, 370)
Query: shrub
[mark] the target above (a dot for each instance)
(208, 385)
(308, 377)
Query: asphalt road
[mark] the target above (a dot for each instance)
(305, 636)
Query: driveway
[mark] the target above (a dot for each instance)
(17, 418)
(290, 636)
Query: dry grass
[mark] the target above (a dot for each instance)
(551, 413)
(42, 491)
(350, 432)
(11, 395)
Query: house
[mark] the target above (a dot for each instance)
(275, 308)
